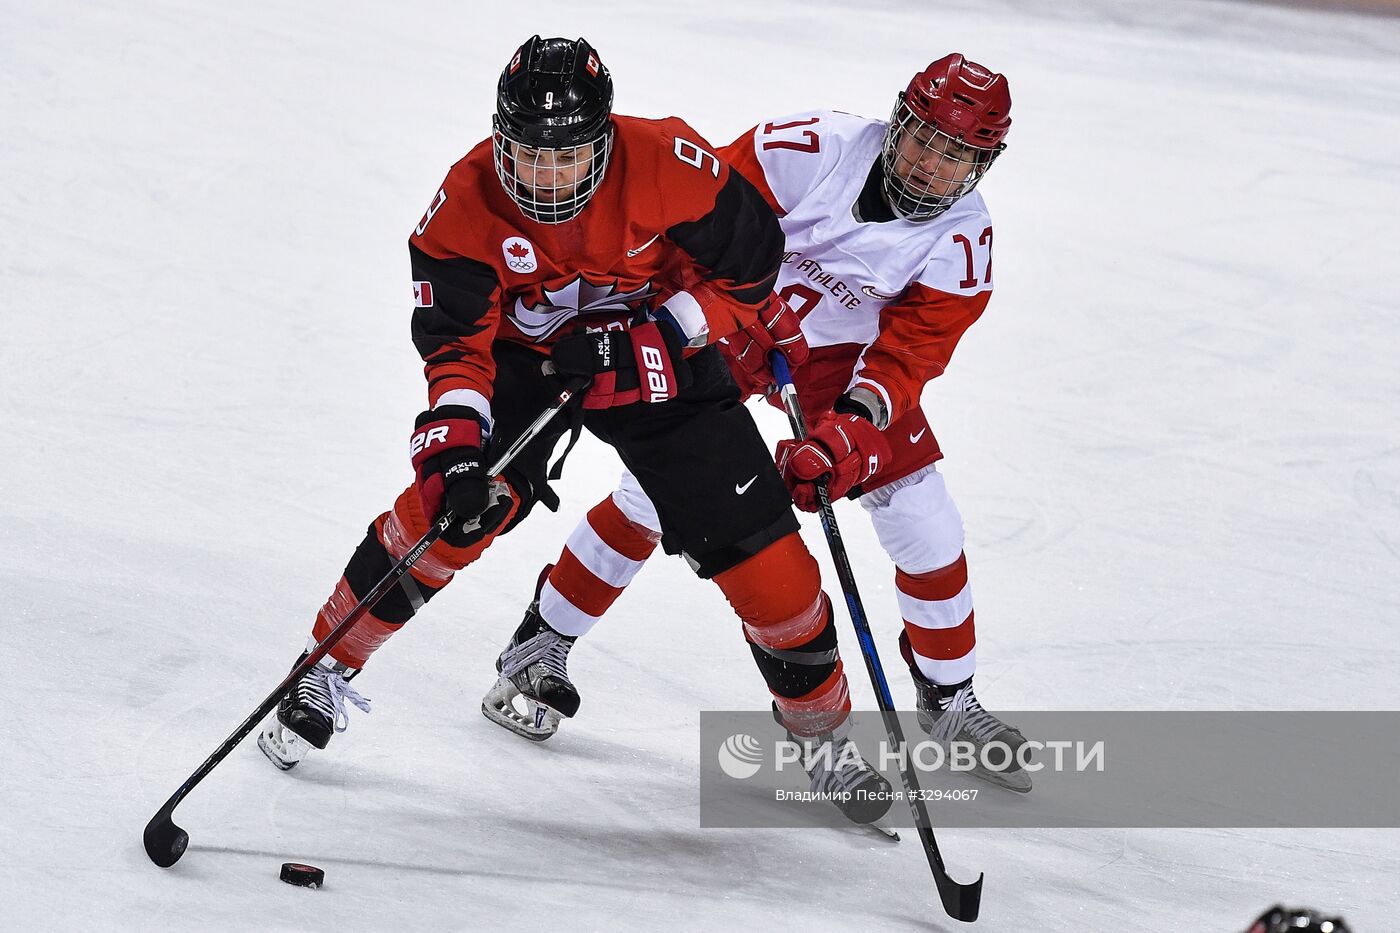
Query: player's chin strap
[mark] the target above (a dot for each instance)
(961, 901)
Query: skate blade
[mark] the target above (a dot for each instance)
(283, 747)
(870, 828)
(537, 723)
(1018, 781)
(885, 831)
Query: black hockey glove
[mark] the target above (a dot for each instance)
(450, 472)
(644, 364)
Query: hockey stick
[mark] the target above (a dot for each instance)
(961, 901)
(166, 842)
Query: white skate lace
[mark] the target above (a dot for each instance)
(853, 772)
(326, 691)
(964, 713)
(549, 649)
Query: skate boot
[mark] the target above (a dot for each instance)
(954, 714)
(310, 713)
(534, 670)
(836, 768)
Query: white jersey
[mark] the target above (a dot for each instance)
(839, 273)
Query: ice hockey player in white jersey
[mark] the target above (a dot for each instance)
(888, 262)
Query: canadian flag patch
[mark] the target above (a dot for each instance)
(422, 294)
(519, 254)
(591, 66)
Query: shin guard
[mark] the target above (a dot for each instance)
(788, 624)
(389, 538)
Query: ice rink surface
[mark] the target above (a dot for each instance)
(1174, 438)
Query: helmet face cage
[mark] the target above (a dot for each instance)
(927, 170)
(550, 185)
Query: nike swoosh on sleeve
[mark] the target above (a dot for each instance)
(633, 252)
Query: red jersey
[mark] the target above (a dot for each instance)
(668, 215)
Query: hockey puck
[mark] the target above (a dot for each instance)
(303, 876)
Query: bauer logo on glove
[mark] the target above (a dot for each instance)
(616, 360)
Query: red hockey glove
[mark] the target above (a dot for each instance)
(777, 328)
(450, 470)
(644, 364)
(847, 449)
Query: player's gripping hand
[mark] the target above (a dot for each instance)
(449, 465)
(845, 448)
(777, 328)
(644, 364)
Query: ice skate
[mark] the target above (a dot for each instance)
(533, 693)
(310, 713)
(953, 714)
(837, 769)
(950, 714)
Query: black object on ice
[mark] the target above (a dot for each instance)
(1280, 919)
(302, 875)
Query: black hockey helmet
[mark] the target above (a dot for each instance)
(555, 93)
(553, 127)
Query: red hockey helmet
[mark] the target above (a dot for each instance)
(946, 129)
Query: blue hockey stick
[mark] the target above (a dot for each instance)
(961, 901)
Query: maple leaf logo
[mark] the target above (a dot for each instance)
(578, 296)
(519, 255)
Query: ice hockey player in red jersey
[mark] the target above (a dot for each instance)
(888, 261)
(578, 242)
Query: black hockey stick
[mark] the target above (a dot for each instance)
(961, 901)
(166, 842)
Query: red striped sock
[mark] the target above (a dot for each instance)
(603, 555)
(938, 618)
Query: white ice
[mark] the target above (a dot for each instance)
(1174, 437)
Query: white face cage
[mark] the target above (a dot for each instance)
(927, 170)
(551, 185)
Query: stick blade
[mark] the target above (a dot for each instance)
(165, 842)
(960, 901)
